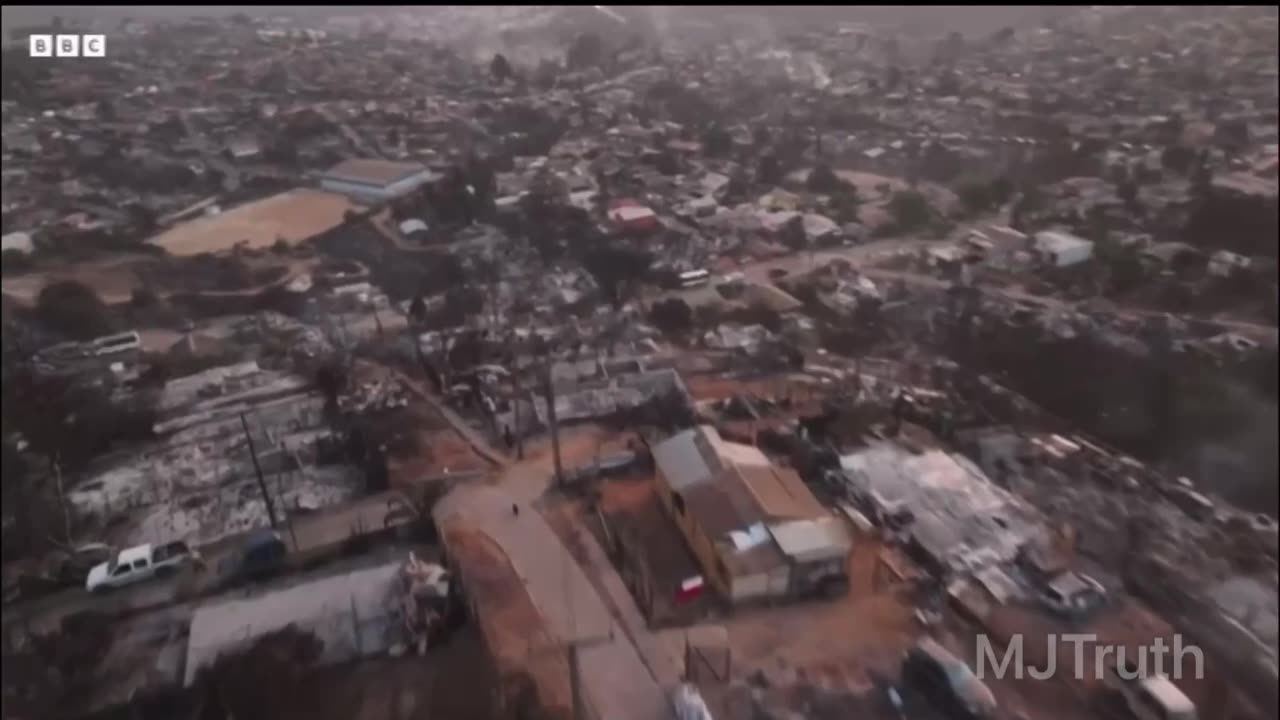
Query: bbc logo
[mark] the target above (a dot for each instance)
(68, 46)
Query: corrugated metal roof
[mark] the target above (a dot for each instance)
(801, 539)
(681, 461)
(780, 493)
(720, 508)
(960, 517)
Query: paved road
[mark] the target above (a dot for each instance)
(1252, 329)
(758, 272)
(616, 679)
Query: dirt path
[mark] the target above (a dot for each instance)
(475, 438)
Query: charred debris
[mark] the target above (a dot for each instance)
(898, 330)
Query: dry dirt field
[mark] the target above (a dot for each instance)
(294, 216)
(113, 279)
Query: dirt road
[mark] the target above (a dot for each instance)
(1251, 329)
(760, 272)
(615, 678)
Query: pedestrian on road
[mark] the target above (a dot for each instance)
(515, 510)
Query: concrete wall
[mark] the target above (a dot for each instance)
(750, 587)
(350, 612)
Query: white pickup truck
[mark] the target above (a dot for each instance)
(136, 564)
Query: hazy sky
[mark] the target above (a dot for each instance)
(972, 19)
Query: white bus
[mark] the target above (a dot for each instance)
(694, 278)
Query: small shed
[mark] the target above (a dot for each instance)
(1224, 262)
(631, 216)
(1062, 249)
(817, 550)
(19, 241)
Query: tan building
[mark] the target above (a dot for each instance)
(757, 531)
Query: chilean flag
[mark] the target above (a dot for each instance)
(690, 589)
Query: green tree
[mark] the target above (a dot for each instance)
(73, 309)
(73, 423)
(975, 197)
(418, 310)
(769, 171)
(143, 297)
(15, 261)
(717, 142)
(910, 210)
(672, 316)
(822, 179)
(500, 68)
(1177, 159)
(586, 51)
(617, 270)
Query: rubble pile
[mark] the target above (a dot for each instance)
(980, 289)
(422, 597)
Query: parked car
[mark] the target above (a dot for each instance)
(947, 683)
(262, 555)
(81, 559)
(1153, 697)
(1073, 594)
(137, 564)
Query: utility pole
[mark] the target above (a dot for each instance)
(582, 708)
(550, 395)
(519, 429)
(575, 683)
(262, 483)
(62, 498)
(280, 492)
(346, 338)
